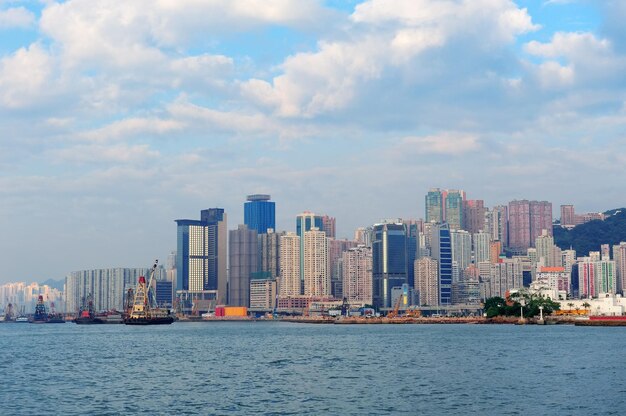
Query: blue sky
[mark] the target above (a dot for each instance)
(116, 118)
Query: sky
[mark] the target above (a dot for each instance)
(119, 117)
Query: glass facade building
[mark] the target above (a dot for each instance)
(442, 252)
(389, 261)
(201, 248)
(259, 213)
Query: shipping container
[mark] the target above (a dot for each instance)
(235, 311)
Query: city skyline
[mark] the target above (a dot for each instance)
(351, 109)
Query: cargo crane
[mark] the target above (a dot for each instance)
(8, 314)
(144, 309)
(396, 308)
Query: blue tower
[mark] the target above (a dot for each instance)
(259, 213)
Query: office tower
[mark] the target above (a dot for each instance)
(412, 247)
(441, 251)
(242, 253)
(388, 261)
(357, 275)
(289, 283)
(481, 243)
(427, 281)
(259, 213)
(316, 264)
(568, 217)
(474, 215)
(269, 254)
(497, 221)
(201, 254)
(454, 209)
(461, 242)
(428, 235)
(596, 277)
(594, 256)
(527, 219)
(306, 222)
(619, 256)
(328, 226)
(435, 199)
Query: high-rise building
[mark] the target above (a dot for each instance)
(357, 274)
(497, 220)
(427, 281)
(568, 217)
(106, 287)
(619, 256)
(289, 283)
(413, 228)
(461, 242)
(316, 263)
(474, 215)
(504, 276)
(454, 209)
(555, 278)
(441, 250)
(435, 203)
(329, 226)
(495, 250)
(306, 222)
(263, 294)
(201, 254)
(548, 254)
(527, 219)
(242, 252)
(259, 213)
(269, 253)
(595, 277)
(364, 235)
(389, 261)
(481, 244)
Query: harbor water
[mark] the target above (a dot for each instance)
(255, 368)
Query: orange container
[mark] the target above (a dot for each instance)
(235, 311)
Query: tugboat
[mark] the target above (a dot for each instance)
(54, 317)
(86, 314)
(144, 310)
(8, 314)
(41, 315)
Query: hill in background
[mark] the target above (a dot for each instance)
(589, 236)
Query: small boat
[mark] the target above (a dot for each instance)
(144, 310)
(86, 314)
(21, 319)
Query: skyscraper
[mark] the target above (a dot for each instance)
(259, 213)
(461, 242)
(201, 254)
(454, 209)
(269, 254)
(306, 222)
(481, 241)
(435, 200)
(357, 274)
(242, 253)
(497, 223)
(568, 216)
(441, 251)
(328, 226)
(474, 215)
(619, 256)
(289, 283)
(389, 261)
(527, 219)
(316, 264)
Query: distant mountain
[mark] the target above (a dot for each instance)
(589, 236)
(57, 284)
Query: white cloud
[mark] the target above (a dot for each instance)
(445, 143)
(17, 17)
(25, 76)
(103, 154)
(131, 127)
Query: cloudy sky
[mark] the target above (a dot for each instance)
(118, 117)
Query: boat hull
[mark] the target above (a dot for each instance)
(164, 320)
(88, 321)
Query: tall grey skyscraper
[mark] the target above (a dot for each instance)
(442, 252)
(389, 253)
(243, 251)
(201, 254)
